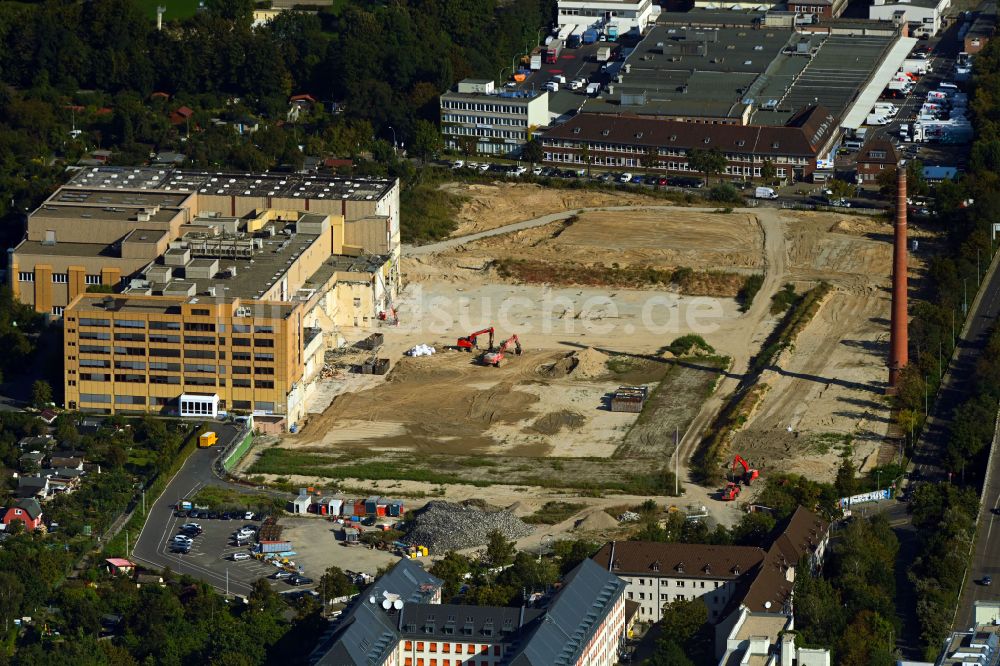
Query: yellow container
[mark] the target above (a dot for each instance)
(208, 439)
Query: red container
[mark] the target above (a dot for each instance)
(380, 510)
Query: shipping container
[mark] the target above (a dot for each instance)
(207, 439)
(381, 510)
(371, 505)
(395, 509)
(334, 506)
(359, 507)
(347, 509)
(274, 546)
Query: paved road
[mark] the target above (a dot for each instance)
(152, 546)
(986, 557)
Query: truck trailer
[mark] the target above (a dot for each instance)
(552, 52)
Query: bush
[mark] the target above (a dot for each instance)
(725, 193)
(683, 345)
(750, 287)
(427, 213)
(784, 299)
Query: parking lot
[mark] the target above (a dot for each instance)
(210, 556)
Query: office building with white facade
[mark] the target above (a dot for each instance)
(496, 122)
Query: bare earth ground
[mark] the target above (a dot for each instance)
(530, 428)
(830, 387)
(491, 206)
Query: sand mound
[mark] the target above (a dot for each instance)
(552, 423)
(590, 363)
(520, 509)
(594, 521)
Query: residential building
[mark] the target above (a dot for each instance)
(973, 647)
(768, 638)
(495, 122)
(401, 622)
(937, 174)
(626, 15)
(876, 156)
(658, 573)
(735, 582)
(821, 9)
(630, 142)
(183, 354)
(27, 511)
(924, 16)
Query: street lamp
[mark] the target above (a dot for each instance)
(393, 139)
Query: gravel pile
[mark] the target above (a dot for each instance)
(444, 526)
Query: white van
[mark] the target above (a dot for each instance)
(240, 557)
(552, 86)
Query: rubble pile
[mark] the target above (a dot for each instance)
(444, 526)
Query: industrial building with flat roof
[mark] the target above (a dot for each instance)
(323, 253)
(108, 224)
(184, 355)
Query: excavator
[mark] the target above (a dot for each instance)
(749, 473)
(469, 342)
(495, 358)
(730, 492)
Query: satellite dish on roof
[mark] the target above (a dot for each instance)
(386, 604)
(398, 604)
(767, 604)
(371, 599)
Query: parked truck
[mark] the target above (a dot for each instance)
(603, 53)
(590, 36)
(574, 40)
(274, 546)
(915, 66)
(552, 52)
(612, 32)
(765, 193)
(536, 60)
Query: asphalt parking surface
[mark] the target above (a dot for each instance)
(207, 559)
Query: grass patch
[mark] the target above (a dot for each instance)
(823, 442)
(784, 299)
(228, 499)
(686, 280)
(553, 512)
(620, 364)
(747, 292)
(427, 213)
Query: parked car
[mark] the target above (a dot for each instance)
(240, 556)
(537, 171)
(840, 203)
(458, 164)
(193, 513)
(181, 514)
(300, 580)
(661, 181)
(282, 575)
(225, 516)
(182, 548)
(987, 580)
(624, 178)
(204, 515)
(180, 538)
(248, 515)
(651, 180)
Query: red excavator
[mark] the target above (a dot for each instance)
(730, 492)
(495, 358)
(469, 342)
(749, 473)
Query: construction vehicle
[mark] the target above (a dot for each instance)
(730, 492)
(469, 342)
(749, 473)
(495, 358)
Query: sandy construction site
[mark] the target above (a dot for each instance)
(542, 418)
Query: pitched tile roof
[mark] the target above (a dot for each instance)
(805, 134)
(588, 594)
(878, 151)
(30, 506)
(483, 624)
(679, 560)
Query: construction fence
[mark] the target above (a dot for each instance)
(236, 453)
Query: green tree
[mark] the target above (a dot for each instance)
(499, 550)
(707, 162)
(571, 553)
(334, 583)
(41, 393)
(868, 641)
(668, 653)
(840, 189)
(683, 618)
(452, 569)
(768, 172)
(846, 482)
(427, 141)
(532, 151)
(11, 594)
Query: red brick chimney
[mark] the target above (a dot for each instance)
(898, 337)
